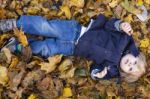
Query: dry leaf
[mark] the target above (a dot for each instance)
(65, 9)
(113, 3)
(17, 80)
(139, 2)
(147, 1)
(67, 92)
(32, 96)
(8, 54)
(77, 3)
(14, 62)
(130, 7)
(129, 18)
(65, 65)
(52, 64)
(68, 74)
(3, 75)
(145, 43)
(21, 37)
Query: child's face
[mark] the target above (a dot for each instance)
(129, 64)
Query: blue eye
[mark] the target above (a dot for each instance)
(130, 69)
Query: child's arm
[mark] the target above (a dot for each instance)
(118, 25)
(98, 72)
(131, 47)
(99, 22)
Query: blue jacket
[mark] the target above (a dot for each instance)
(105, 44)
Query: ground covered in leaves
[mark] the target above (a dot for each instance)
(67, 77)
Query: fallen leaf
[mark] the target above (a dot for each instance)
(8, 54)
(32, 96)
(17, 80)
(81, 72)
(68, 74)
(65, 9)
(21, 37)
(118, 11)
(32, 77)
(55, 59)
(52, 64)
(14, 62)
(47, 67)
(147, 1)
(129, 18)
(130, 7)
(44, 84)
(3, 75)
(113, 3)
(67, 92)
(77, 3)
(139, 2)
(65, 65)
(144, 43)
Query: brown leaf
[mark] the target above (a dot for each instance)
(21, 37)
(52, 64)
(68, 74)
(16, 80)
(8, 54)
(3, 75)
(44, 84)
(65, 65)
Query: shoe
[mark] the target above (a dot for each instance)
(15, 47)
(7, 25)
(11, 44)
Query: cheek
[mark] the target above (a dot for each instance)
(124, 67)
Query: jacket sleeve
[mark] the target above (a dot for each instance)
(132, 47)
(112, 71)
(99, 22)
(113, 24)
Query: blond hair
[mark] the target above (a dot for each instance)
(141, 63)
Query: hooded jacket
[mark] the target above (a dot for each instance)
(104, 43)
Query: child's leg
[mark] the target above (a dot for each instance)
(38, 25)
(49, 47)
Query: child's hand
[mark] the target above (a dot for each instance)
(126, 27)
(102, 73)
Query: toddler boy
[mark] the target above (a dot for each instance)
(108, 43)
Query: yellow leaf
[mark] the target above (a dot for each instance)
(65, 9)
(68, 74)
(144, 43)
(21, 37)
(3, 75)
(32, 96)
(66, 64)
(33, 10)
(2, 13)
(48, 67)
(8, 54)
(52, 64)
(77, 3)
(55, 59)
(129, 18)
(14, 62)
(147, 1)
(140, 2)
(67, 92)
(129, 6)
(108, 12)
(113, 3)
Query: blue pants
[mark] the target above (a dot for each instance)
(61, 35)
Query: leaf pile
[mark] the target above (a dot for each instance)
(60, 77)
